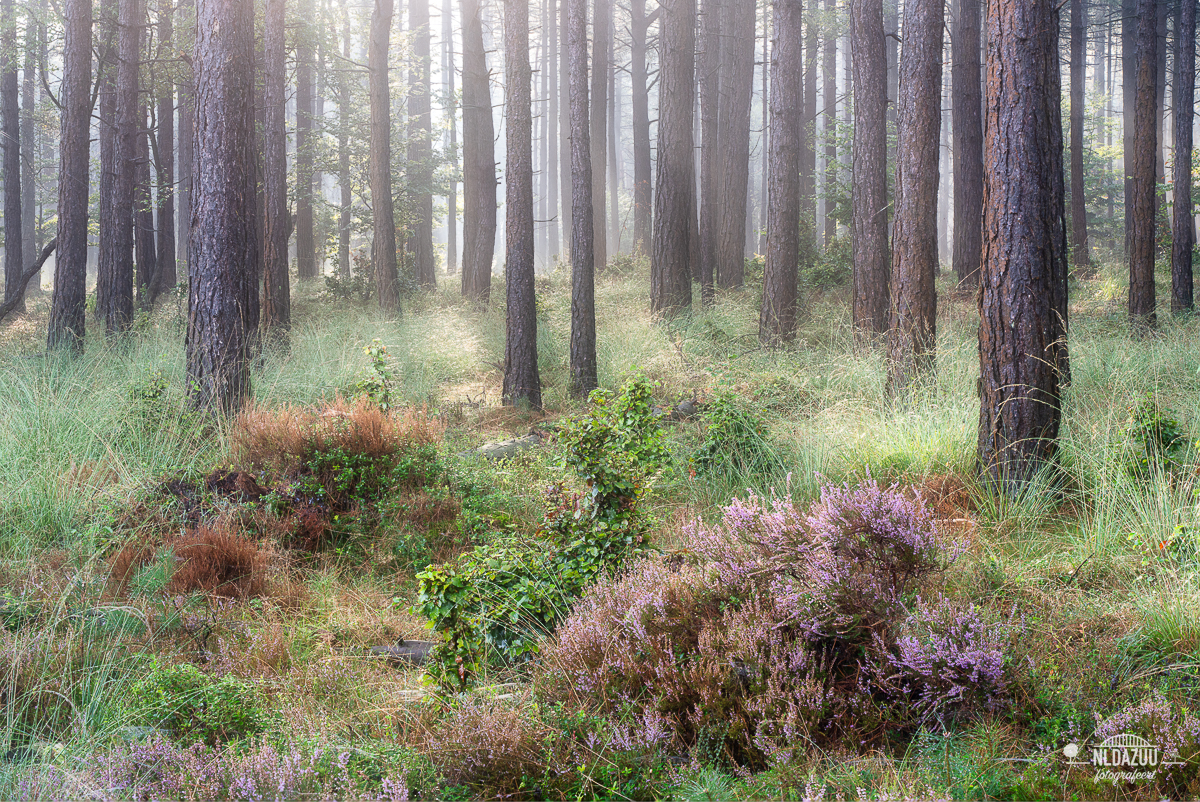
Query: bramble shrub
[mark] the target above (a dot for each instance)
(785, 628)
(1157, 439)
(193, 707)
(376, 385)
(735, 438)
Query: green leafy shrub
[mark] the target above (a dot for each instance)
(833, 266)
(1157, 440)
(193, 707)
(376, 385)
(735, 439)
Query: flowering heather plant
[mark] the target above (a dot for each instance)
(1173, 728)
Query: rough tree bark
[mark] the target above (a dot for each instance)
(521, 381)
(1183, 230)
(224, 245)
(583, 268)
(808, 152)
(711, 191)
(674, 191)
(1079, 237)
(69, 303)
(479, 161)
(829, 116)
(597, 118)
(187, 120)
(420, 148)
(277, 305)
(1022, 332)
(643, 198)
(872, 256)
(387, 276)
(10, 110)
(737, 90)
(167, 275)
(912, 332)
(777, 320)
(28, 102)
(967, 130)
(106, 75)
(1143, 189)
(306, 246)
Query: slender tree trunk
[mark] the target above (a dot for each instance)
(675, 187)
(1129, 27)
(1022, 332)
(1079, 235)
(420, 149)
(521, 381)
(387, 276)
(107, 129)
(765, 176)
(224, 248)
(912, 334)
(167, 274)
(277, 305)
(10, 109)
(711, 168)
(306, 253)
(583, 294)
(553, 165)
(737, 32)
(345, 198)
(28, 195)
(1143, 199)
(830, 118)
(891, 30)
(564, 124)
(601, 44)
(872, 258)
(69, 302)
(777, 321)
(808, 152)
(967, 130)
(479, 161)
(642, 190)
(143, 219)
(1183, 229)
(614, 146)
(187, 127)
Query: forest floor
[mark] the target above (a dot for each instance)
(188, 608)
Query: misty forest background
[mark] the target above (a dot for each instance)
(548, 399)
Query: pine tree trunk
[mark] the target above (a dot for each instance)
(345, 198)
(912, 333)
(521, 381)
(1079, 235)
(306, 254)
(597, 119)
(564, 125)
(420, 149)
(830, 118)
(583, 274)
(1129, 27)
(1183, 230)
(28, 195)
(737, 33)
(553, 165)
(387, 276)
(187, 128)
(643, 198)
(968, 143)
(1143, 185)
(224, 247)
(777, 320)
(872, 255)
(479, 161)
(10, 111)
(69, 303)
(675, 187)
(1022, 332)
(808, 152)
(143, 219)
(277, 306)
(711, 168)
(167, 275)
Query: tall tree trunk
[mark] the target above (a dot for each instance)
(552, 166)
(583, 292)
(28, 195)
(642, 190)
(345, 198)
(711, 169)
(872, 258)
(601, 44)
(143, 219)
(479, 161)
(912, 335)
(765, 178)
(777, 320)
(737, 33)
(387, 275)
(1183, 229)
(1079, 235)
(1129, 38)
(277, 304)
(10, 109)
(564, 124)
(830, 117)
(675, 187)
(521, 381)
(69, 303)
(306, 253)
(187, 128)
(224, 246)
(1022, 332)
(420, 148)
(1143, 200)
(167, 275)
(614, 146)
(106, 75)
(808, 152)
(967, 129)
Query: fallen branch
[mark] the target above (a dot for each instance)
(15, 301)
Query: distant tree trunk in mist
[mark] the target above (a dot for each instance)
(912, 333)
(69, 303)
(583, 291)
(765, 179)
(553, 164)
(643, 198)
(614, 146)
(711, 190)
(521, 381)
(106, 75)
(224, 246)
(420, 148)
(28, 195)
(967, 129)
(167, 276)
(808, 152)
(1079, 235)
(1129, 40)
(345, 198)
(1183, 230)
(674, 191)
(891, 31)
(737, 90)
(777, 320)
(872, 255)
(597, 118)
(1022, 296)
(1143, 198)
(306, 247)
(479, 161)
(830, 118)
(277, 306)
(564, 125)
(143, 219)
(387, 275)
(10, 109)
(187, 121)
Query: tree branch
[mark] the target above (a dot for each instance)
(15, 301)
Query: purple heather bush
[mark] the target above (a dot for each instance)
(1171, 727)
(788, 628)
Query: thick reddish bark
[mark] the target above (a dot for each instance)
(1183, 231)
(387, 274)
(872, 255)
(1143, 199)
(967, 130)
